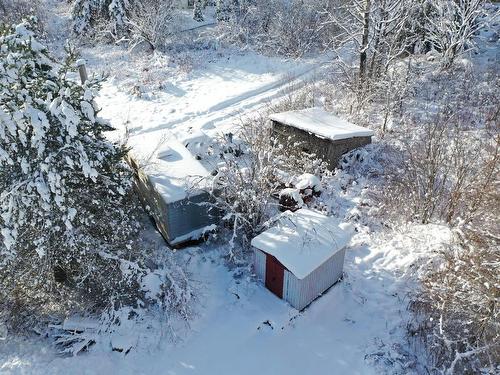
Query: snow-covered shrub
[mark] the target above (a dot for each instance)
(443, 171)
(252, 170)
(69, 217)
(457, 309)
(308, 185)
(442, 165)
(290, 199)
(441, 158)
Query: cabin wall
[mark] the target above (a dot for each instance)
(188, 215)
(329, 151)
(300, 293)
(150, 197)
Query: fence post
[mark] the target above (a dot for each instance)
(82, 70)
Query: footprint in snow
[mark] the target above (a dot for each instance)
(267, 324)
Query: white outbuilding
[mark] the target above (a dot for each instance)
(175, 187)
(301, 256)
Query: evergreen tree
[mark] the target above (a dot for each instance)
(82, 13)
(222, 10)
(118, 14)
(67, 208)
(198, 11)
(87, 12)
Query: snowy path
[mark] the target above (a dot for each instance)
(210, 100)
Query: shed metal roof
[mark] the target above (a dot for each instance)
(303, 240)
(171, 168)
(324, 124)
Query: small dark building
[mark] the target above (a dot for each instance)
(320, 133)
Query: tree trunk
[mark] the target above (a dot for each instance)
(380, 36)
(364, 44)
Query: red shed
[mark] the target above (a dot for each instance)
(301, 256)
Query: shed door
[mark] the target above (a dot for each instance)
(274, 275)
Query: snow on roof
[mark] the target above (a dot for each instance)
(303, 240)
(324, 124)
(171, 168)
(195, 140)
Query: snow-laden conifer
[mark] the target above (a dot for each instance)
(68, 214)
(198, 11)
(222, 10)
(86, 13)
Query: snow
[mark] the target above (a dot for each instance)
(3, 332)
(324, 124)
(209, 98)
(303, 240)
(308, 181)
(79, 324)
(195, 234)
(196, 141)
(8, 239)
(151, 284)
(171, 168)
(343, 332)
(240, 327)
(228, 334)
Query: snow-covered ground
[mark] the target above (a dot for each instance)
(356, 327)
(209, 98)
(242, 328)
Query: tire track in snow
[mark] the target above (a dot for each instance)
(246, 101)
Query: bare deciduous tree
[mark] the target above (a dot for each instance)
(378, 31)
(152, 21)
(452, 25)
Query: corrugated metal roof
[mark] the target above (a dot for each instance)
(172, 169)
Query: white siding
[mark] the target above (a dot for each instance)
(291, 288)
(259, 262)
(300, 293)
